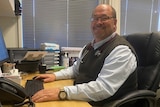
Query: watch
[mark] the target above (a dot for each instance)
(62, 94)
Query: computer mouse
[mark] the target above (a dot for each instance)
(34, 77)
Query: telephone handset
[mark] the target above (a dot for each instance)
(11, 92)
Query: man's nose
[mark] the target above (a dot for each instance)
(99, 21)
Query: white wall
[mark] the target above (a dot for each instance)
(10, 24)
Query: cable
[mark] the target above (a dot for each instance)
(1, 104)
(30, 103)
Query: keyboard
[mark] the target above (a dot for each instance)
(33, 86)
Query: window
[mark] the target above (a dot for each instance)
(139, 16)
(65, 22)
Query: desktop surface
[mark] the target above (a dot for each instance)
(60, 83)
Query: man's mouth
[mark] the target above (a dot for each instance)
(99, 27)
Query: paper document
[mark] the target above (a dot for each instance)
(34, 55)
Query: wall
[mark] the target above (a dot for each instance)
(10, 24)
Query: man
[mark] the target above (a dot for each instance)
(105, 69)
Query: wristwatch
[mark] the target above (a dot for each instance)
(62, 94)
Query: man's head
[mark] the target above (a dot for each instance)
(103, 21)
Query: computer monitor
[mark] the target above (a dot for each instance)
(3, 50)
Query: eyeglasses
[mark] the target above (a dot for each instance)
(104, 18)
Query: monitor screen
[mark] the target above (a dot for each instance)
(3, 50)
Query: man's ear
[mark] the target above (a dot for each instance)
(115, 24)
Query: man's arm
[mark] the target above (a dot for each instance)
(70, 72)
(119, 64)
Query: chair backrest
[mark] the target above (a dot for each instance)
(147, 47)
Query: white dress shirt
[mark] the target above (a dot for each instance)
(117, 67)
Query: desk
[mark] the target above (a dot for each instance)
(60, 83)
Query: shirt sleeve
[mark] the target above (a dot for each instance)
(118, 65)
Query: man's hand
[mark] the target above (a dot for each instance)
(47, 77)
(46, 95)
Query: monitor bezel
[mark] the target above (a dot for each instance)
(7, 58)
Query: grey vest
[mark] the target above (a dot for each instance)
(92, 64)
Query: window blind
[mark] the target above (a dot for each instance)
(65, 22)
(139, 16)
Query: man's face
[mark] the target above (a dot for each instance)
(102, 23)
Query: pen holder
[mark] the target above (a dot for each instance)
(42, 69)
(7, 67)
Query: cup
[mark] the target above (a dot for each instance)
(42, 69)
(7, 67)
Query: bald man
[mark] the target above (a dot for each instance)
(105, 70)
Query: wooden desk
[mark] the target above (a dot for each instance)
(60, 83)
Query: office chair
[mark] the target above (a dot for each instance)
(147, 47)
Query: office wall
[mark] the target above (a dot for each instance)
(8, 26)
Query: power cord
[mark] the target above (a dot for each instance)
(1, 104)
(29, 102)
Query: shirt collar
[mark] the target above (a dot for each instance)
(98, 44)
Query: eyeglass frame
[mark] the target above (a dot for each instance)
(103, 18)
